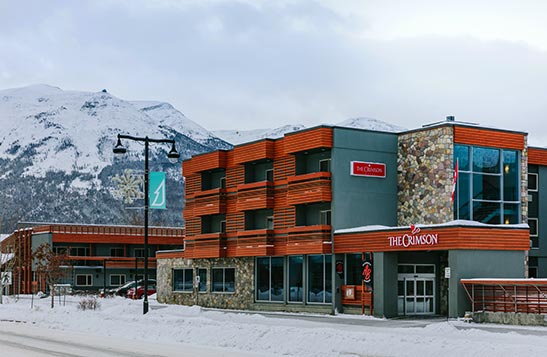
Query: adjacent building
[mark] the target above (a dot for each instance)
(338, 219)
(98, 256)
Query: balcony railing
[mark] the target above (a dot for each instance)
(309, 240)
(309, 188)
(255, 195)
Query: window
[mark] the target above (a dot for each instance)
(269, 279)
(60, 250)
(117, 252)
(223, 226)
(139, 252)
(532, 182)
(488, 186)
(79, 251)
(319, 279)
(117, 279)
(533, 223)
(202, 273)
(223, 280)
(183, 279)
(213, 179)
(269, 175)
(84, 280)
(270, 222)
(213, 223)
(532, 267)
(324, 217)
(354, 269)
(324, 165)
(258, 219)
(296, 278)
(222, 182)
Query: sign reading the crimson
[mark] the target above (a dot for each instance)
(369, 169)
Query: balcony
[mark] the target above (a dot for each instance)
(309, 188)
(209, 245)
(255, 195)
(209, 202)
(257, 242)
(309, 240)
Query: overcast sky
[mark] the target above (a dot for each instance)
(265, 63)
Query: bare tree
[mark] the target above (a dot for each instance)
(50, 266)
(8, 259)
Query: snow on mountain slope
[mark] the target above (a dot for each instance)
(75, 131)
(237, 137)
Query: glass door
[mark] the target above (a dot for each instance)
(416, 290)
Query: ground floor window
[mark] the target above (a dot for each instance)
(183, 279)
(296, 278)
(269, 279)
(117, 279)
(223, 280)
(202, 274)
(84, 279)
(320, 278)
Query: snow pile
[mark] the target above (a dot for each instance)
(336, 336)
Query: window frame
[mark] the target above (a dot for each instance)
(119, 249)
(224, 290)
(184, 288)
(536, 181)
(89, 279)
(328, 163)
(122, 281)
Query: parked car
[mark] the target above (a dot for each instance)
(122, 290)
(140, 292)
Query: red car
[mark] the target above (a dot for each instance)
(140, 292)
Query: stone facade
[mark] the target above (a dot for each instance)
(424, 166)
(241, 299)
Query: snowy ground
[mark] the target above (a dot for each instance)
(289, 335)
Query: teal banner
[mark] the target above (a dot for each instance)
(157, 195)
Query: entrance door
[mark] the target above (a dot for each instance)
(416, 289)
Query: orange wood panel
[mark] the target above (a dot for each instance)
(483, 238)
(204, 162)
(214, 202)
(309, 240)
(256, 195)
(263, 149)
(314, 187)
(489, 138)
(308, 139)
(118, 239)
(537, 156)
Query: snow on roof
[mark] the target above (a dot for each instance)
(460, 223)
(3, 236)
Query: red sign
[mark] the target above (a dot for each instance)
(367, 272)
(369, 169)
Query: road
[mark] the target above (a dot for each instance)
(24, 340)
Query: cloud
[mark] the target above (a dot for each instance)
(256, 64)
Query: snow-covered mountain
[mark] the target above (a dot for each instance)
(56, 155)
(237, 137)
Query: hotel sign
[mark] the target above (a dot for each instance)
(368, 169)
(414, 239)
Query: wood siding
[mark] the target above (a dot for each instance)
(489, 138)
(537, 156)
(307, 140)
(449, 238)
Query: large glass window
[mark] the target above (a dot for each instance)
(224, 280)
(183, 279)
(296, 278)
(320, 278)
(488, 184)
(202, 273)
(354, 269)
(270, 279)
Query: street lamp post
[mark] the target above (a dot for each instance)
(173, 156)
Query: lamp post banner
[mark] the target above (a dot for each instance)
(157, 195)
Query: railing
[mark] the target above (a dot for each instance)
(507, 295)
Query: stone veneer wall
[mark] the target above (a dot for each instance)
(425, 172)
(241, 299)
